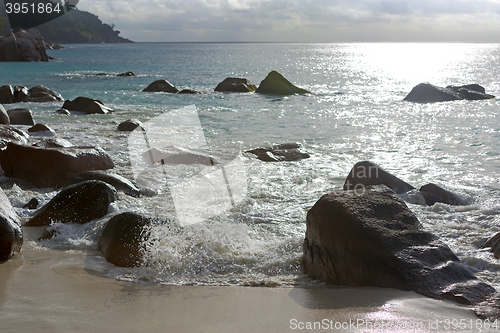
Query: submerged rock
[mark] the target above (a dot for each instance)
(86, 105)
(51, 167)
(126, 74)
(129, 125)
(21, 117)
(367, 173)
(53, 46)
(118, 182)
(372, 239)
(122, 240)
(279, 153)
(79, 203)
(428, 93)
(11, 234)
(188, 91)
(234, 84)
(161, 86)
(23, 45)
(276, 84)
(433, 193)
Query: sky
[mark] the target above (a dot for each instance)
(301, 20)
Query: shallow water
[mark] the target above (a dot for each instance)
(356, 113)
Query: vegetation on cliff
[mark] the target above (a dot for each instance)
(76, 26)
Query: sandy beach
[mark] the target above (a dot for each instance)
(60, 291)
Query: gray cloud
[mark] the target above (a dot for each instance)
(301, 20)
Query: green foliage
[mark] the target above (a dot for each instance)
(76, 26)
(79, 27)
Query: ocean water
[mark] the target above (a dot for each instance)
(356, 112)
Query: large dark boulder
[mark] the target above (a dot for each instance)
(123, 239)
(276, 84)
(4, 116)
(279, 153)
(79, 203)
(371, 238)
(21, 117)
(11, 234)
(235, 84)
(161, 86)
(23, 45)
(6, 94)
(428, 93)
(51, 167)
(367, 173)
(86, 105)
(433, 193)
(118, 182)
(41, 93)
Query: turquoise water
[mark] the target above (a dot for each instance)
(356, 113)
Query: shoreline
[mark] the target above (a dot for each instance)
(69, 294)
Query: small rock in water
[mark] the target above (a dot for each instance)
(279, 153)
(433, 193)
(429, 93)
(32, 204)
(41, 129)
(161, 86)
(129, 125)
(276, 84)
(234, 84)
(127, 74)
(494, 244)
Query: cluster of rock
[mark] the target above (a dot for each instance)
(273, 84)
(428, 93)
(366, 173)
(18, 94)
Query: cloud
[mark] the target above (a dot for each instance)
(301, 20)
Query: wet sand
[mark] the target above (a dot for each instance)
(60, 291)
